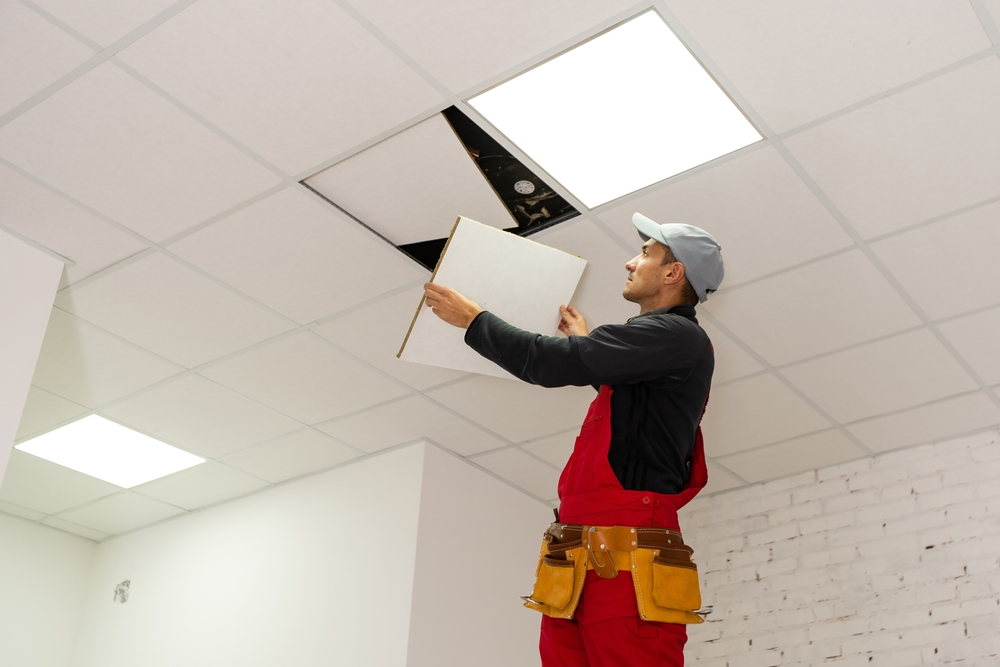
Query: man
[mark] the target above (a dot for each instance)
(615, 580)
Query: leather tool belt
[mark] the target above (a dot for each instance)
(663, 575)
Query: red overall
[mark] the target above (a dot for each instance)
(606, 630)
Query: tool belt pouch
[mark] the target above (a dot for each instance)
(666, 582)
(559, 580)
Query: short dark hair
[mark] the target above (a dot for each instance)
(688, 295)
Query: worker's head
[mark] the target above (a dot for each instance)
(679, 265)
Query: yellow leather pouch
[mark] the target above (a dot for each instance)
(665, 592)
(558, 582)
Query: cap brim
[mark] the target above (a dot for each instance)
(647, 228)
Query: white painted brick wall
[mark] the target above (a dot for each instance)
(888, 561)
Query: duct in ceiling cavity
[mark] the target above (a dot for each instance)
(411, 187)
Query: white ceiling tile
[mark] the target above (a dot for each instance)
(936, 421)
(463, 42)
(50, 220)
(167, 308)
(297, 82)
(90, 367)
(201, 417)
(814, 309)
(121, 512)
(115, 145)
(754, 412)
(34, 52)
(887, 375)
(599, 295)
(966, 245)
(204, 484)
(44, 409)
(297, 256)
(104, 21)
(731, 361)
(431, 176)
(291, 455)
(975, 337)
(756, 206)
(522, 470)
(376, 332)
(305, 378)
(787, 458)
(46, 487)
(994, 9)
(70, 527)
(912, 156)
(555, 449)
(23, 512)
(795, 62)
(516, 410)
(410, 419)
(719, 479)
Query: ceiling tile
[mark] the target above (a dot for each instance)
(787, 458)
(975, 337)
(887, 375)
(105, 21)
(297, 82)
(42, 410)
(31, 210)
(291, 455)
(431, 176)
(161, 305)
(200, 416)
(305, 378)
(912, 156)
(966, 244)
(555, 449)
(376, 332)
(23, 512)
(70, 527)
(756, 206)
(292, 252)
(516, 410)
(90, 367)
(814, 309)
(754, 412)
(731, 361)
(121, 512)
(522, 470)
(936, 421)
(463, 42)
(46, 487)
(599, 295)
(720, 479)
(994, 9)
(410, 419)
(796, 62)
(204, 484)
(34, 53)
(115, 145)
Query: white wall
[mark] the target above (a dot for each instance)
(476, 555)
(891, 560)
(44, 574)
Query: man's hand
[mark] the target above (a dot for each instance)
(572, 323)
(450, 305)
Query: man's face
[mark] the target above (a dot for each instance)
(645, 272)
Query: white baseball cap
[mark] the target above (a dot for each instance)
(693, 247)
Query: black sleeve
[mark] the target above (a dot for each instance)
(647, 348)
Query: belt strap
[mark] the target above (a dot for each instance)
(601, 541)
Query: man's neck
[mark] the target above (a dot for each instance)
(660, 303)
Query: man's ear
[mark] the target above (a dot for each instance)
(675, 275)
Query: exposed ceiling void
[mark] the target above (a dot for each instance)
(108, 451)
(622, 111)
(411, 187)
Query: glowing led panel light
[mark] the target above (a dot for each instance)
(109, 451)
(620, 112)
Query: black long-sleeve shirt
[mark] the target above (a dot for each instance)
(659, 364)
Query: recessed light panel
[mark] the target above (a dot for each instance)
(109, 451)
(620, 112)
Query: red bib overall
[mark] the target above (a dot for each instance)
(606, 629)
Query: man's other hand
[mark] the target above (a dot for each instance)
(572, 323)
(451, 306)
